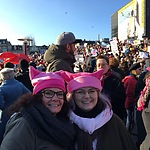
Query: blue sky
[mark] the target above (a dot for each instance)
(46, 19)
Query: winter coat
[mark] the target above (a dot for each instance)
(113, 87)
(139, 85)
(11, 90)
(58, 59)
(113, 135)
(129, 84)
(140, 126)
(28, 141)
(23, 76)
(146, 120)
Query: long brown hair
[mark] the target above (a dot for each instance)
(27, 100)
(24, 101)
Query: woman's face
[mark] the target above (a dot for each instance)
(86, 98)
(53, 99)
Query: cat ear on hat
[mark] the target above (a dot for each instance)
(98, 74)
(67, 76)
(70, 76)
(33, 72)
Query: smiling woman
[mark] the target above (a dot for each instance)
(41, 116)
(53, 99)
(95, 124)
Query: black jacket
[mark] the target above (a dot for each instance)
(113, 87)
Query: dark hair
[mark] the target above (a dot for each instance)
(103, 57)
(23, 63)
(9, 65)
(28, 99)
(24, 101)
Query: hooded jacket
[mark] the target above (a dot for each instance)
(58, 59)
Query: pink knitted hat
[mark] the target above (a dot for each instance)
(42, 80)
(82, 79)
(148, 69)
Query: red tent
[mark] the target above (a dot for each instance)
(13, 57)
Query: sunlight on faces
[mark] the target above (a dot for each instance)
(139, 71)
(72, 48)
(86, 98)
(102, 63)
(53, 102)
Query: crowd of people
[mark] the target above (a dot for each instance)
(47, 104)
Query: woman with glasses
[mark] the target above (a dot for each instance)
(96, 126)
(40, 121)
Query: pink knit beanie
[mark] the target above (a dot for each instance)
(82, 79)
(42, 80)
(148, 69)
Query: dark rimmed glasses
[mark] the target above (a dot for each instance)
(50, 94)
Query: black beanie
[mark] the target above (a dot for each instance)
(9, 65)
(134, 66)
(23, 63)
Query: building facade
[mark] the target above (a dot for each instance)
(132, 21)
(5, 45)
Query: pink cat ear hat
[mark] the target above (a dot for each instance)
(82, 79)
(42, 80)
(148, 69)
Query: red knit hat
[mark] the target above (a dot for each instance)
(41, 80)
(82, 79)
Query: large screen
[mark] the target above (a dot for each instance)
(131, 19)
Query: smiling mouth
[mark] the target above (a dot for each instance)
(53, 105)
(86, 102)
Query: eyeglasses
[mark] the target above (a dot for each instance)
(82, 92)
(50, 94)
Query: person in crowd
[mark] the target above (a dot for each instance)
(92, 65)
(96, 126)
(112, 86)
(41, 118)
(10, 90)
(9, 65)
(130, 102)
(60, 56)
(123, 65)
(141, 132)
(143, 106)
(22, 74)
(114, 65)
